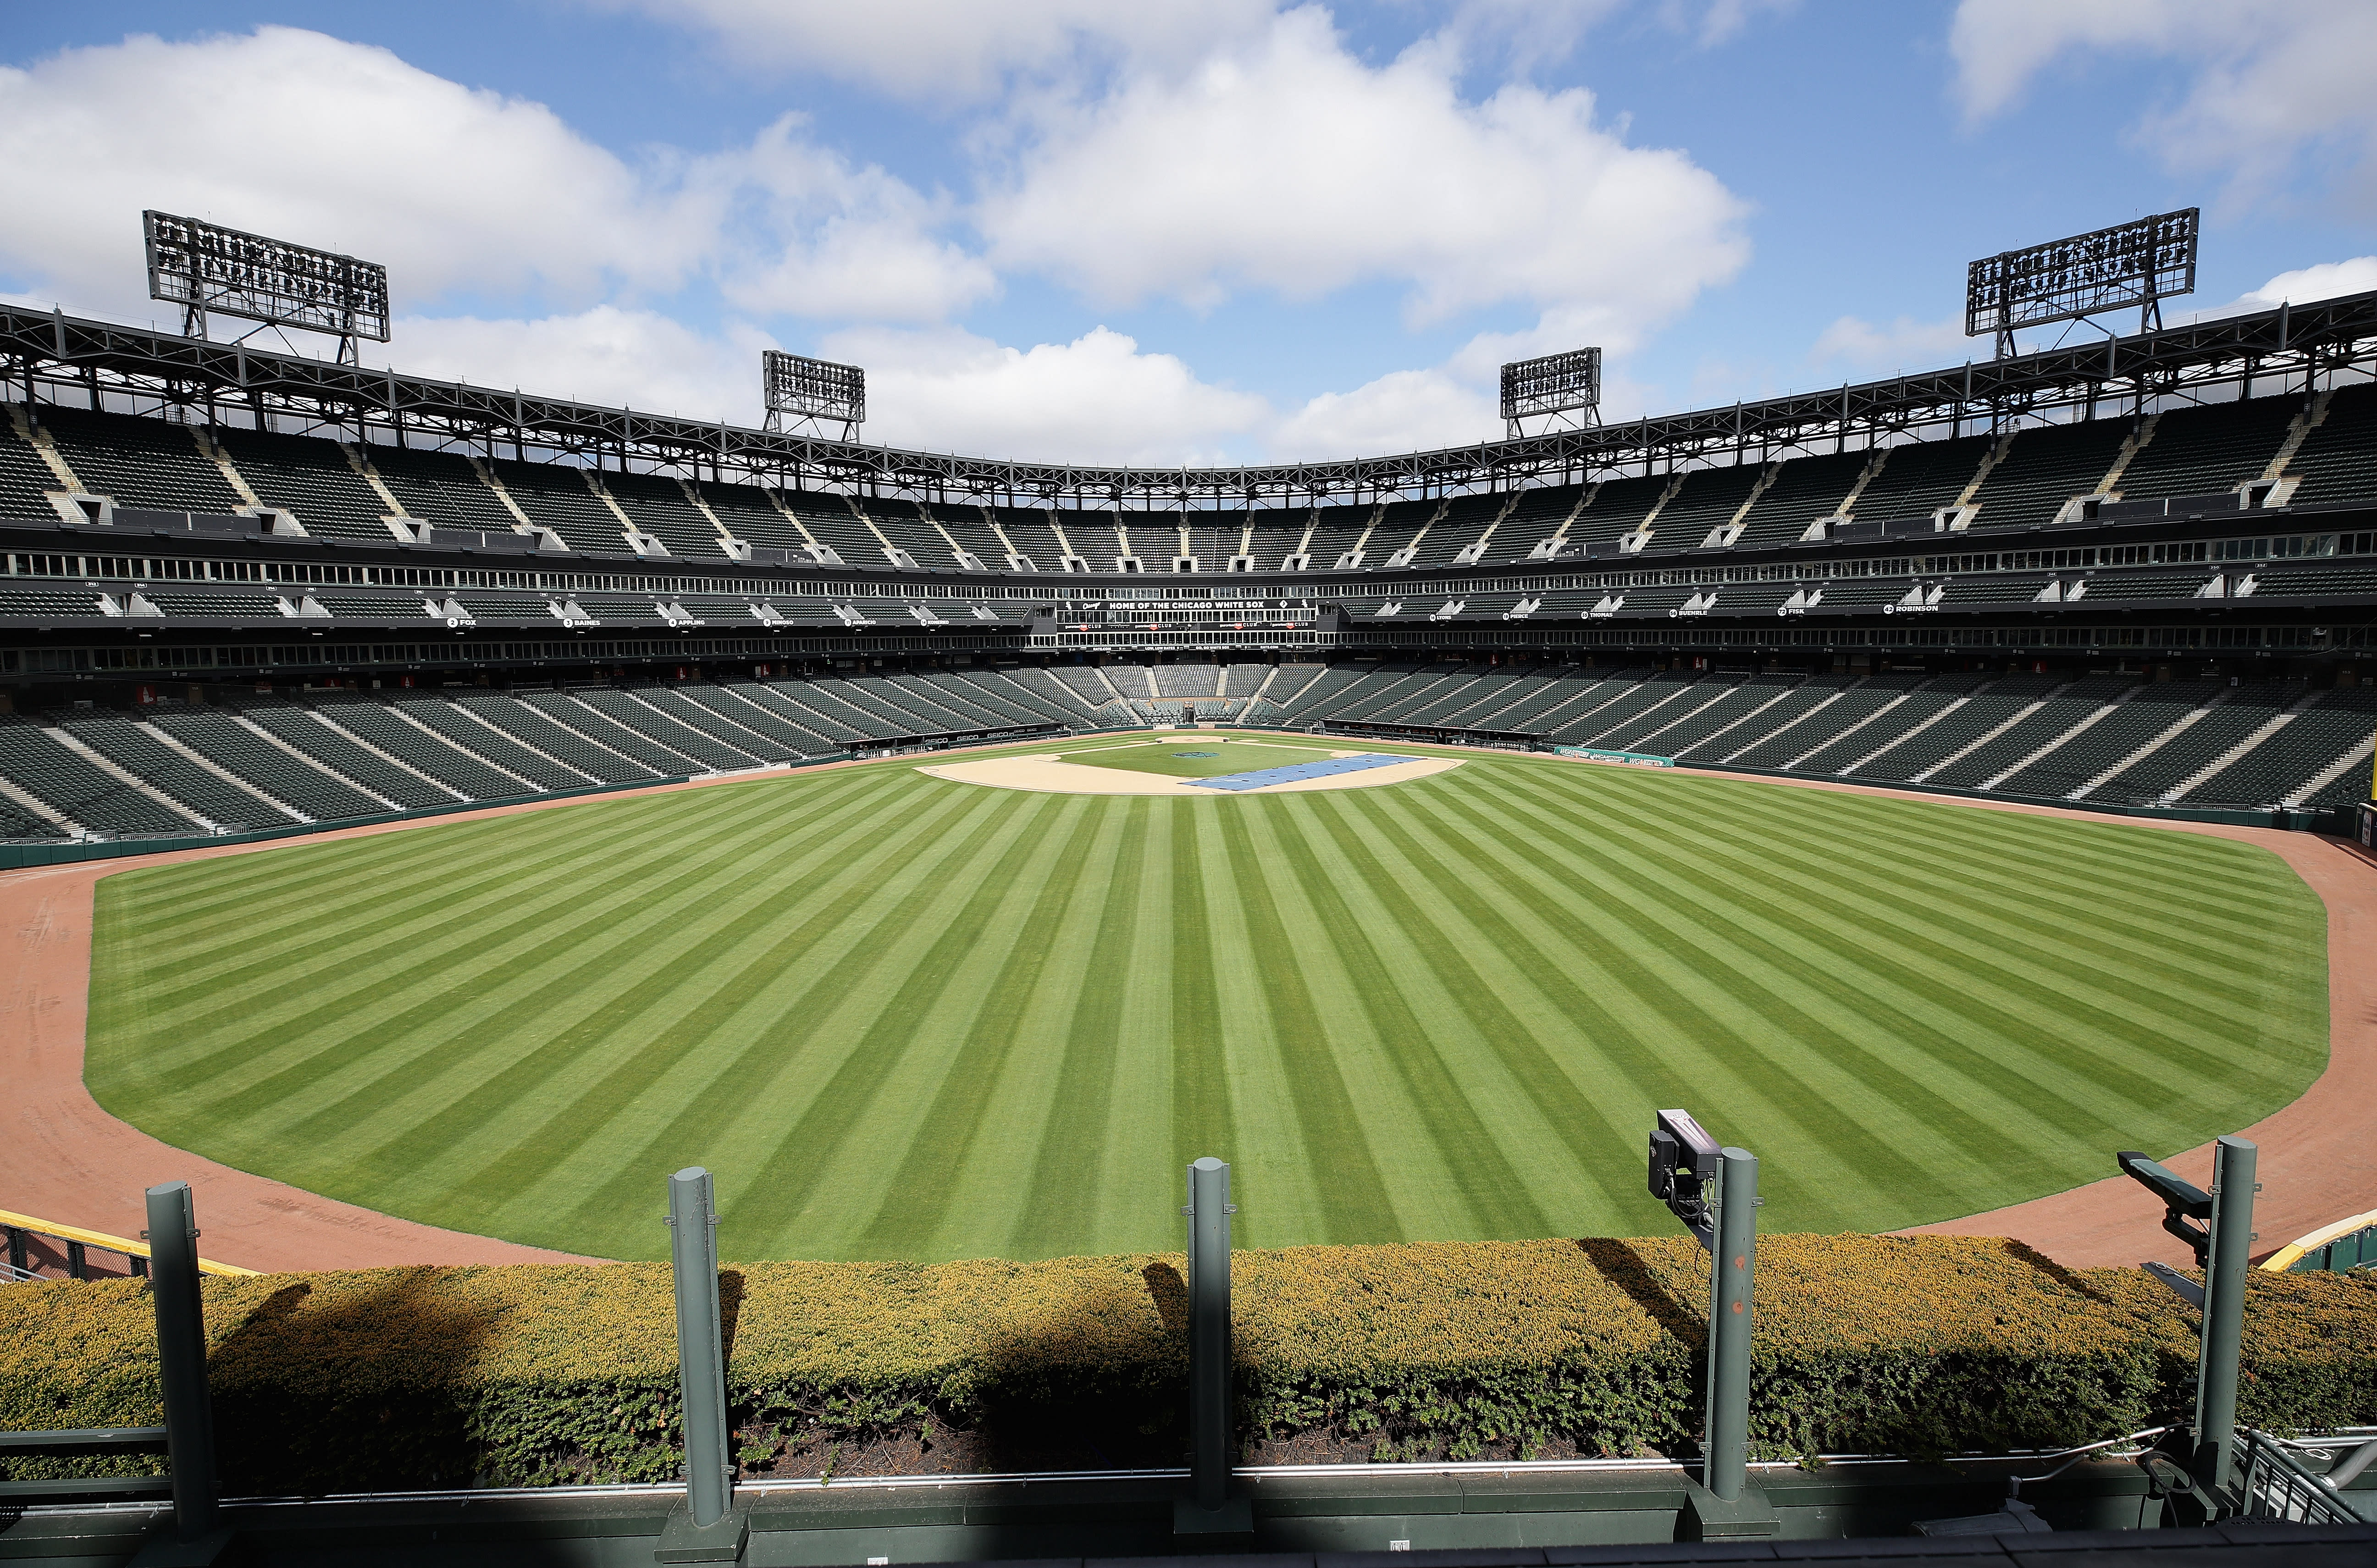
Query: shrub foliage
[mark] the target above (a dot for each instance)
(532, 1375)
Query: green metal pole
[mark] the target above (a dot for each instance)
(172, 1237)
(2224, 1309)
(1209, 1332)
(700, 1346)
(1733, 1265)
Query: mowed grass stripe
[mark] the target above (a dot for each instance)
(1822, 839)
(2133, 1053)
(2188, 990)
(1417, 1031)
(231, 1045)
(685, 1092)
(459, 945)
(1813, 988)
(923, 1195)
(2022, 858)
(1060, 1206)
(908, 1017)
(1360, 1209)
(684, 1010)
(1401, 1133)
(2076, 978)
(410, 1102)
(389, 869)
(1871, 911)
(1732, 1052)
(1762, 1071)
(731, 1100)
(581, 955)
(1575, 1060)
(1200, 1079)
(1269, 1154)
(817, 1157)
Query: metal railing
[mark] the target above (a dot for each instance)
(2276, 1486)
(76, 1442)
(15, 1228)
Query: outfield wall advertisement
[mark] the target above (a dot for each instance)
(1626, 758)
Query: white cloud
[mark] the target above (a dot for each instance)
(1288, 164)
(1880, 349)
(2272, 80)
(1721, 21)
(1406, 410)
(1236, 150)
(459, 192)
(944, 50)
(623, 358)
(1097, 399)
(820, 238)
(2326, 281)
(1528, 34)
(334, 144)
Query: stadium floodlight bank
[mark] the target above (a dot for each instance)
(1553, 385)
(210, 271)
(818, 390)
(2138, 263)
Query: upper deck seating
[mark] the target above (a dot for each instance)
(2045, 467)
(2337, 460)
(149, 463)
(2196, 452)
(311, 478)
(443, 489)
(1920, 477)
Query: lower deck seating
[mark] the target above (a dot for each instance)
(228, 743)
(530, 726)
(1956, 730)
(343, 755)
(566, 709)
(513, 756)
(178, 770)
(631, 712)
(2212, 733)
(147, 755)
(2283, 768)
(469, 775)
(2125, 728)
(39, 764)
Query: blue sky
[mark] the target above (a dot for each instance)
(1227, 231)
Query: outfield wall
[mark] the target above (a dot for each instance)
(2338, 823)
(17, 857)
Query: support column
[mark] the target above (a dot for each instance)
(1724, 1506)
(198, 1536)
(704, 1527)
(1732, 1268)
(1209, 1507)
(2233, 1187)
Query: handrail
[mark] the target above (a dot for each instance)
(105, 1242)
(2287, 1256)
(87, 1437)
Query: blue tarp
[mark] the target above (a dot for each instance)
(1296, 771)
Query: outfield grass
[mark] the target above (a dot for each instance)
(903, 1017)
(1199, 757)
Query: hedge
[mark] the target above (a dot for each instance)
(532, 1375)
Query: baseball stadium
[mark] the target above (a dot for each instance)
(446, 832)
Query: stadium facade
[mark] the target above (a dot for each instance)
(251, 592)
